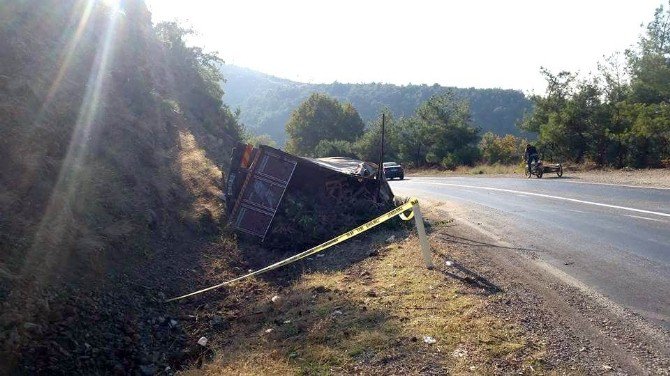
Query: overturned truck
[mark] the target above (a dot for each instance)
(288, 201)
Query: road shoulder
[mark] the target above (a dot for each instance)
(647, 178)
(581, 327)
(652, 178)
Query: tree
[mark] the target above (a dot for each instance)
(198, 78)
(621, 117)
(410, 142)
(615, 77)
(646, 140)
(558, 90)
(368, 146)
(447, 131)
(650, 62)
(646, 116)
(572, 120)
(506, 149)
(319, 118)
(262, 139)
(334, 148)
(440, 133)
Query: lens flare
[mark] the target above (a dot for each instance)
(57, 219)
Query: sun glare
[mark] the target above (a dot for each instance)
(113, 4)
(53, 223)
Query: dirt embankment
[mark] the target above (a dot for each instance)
(111, 155)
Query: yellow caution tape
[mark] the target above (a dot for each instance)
(407, 217)
(336, 240)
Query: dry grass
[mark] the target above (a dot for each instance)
(371, 318)
(494, 169)
(201, 177)
(480, 169)
(587, 172)
(658, 178)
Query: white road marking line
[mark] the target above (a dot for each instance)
(613, 185)
(561, 180)
(647, 218)
(554, 197)
(576, 211)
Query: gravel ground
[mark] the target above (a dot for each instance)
(582, 329)
(658, 178)
(655, 178)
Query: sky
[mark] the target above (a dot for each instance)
(466, 43)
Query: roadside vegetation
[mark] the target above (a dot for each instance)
(478, 169)
(616, 117)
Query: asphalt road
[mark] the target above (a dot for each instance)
(614, 240)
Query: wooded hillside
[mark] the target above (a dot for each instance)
(266, 102)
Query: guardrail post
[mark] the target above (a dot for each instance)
(421, 230)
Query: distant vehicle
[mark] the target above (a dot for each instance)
(539, 168)
(393, 170)
(536, 169)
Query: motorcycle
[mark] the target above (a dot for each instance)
(536, 168)
(539, 168)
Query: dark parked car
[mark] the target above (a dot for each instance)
(393, 170)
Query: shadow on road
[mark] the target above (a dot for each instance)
(467, 276)
(554, 177)
(476, 243)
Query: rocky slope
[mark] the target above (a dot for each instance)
(114, 138)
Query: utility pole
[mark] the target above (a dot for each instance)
(380, 168)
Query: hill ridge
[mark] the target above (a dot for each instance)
(266, 101)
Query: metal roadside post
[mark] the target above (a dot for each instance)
(421, 230)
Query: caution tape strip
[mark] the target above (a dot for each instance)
(336, 240)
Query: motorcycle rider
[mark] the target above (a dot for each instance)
(531, 155)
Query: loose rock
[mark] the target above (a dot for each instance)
(429, 340)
